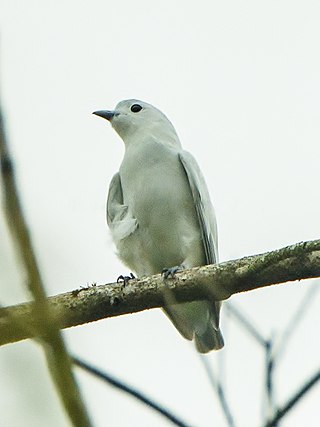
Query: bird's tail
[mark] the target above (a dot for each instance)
(210, 339)
(198, 321)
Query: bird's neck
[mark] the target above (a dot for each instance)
(167, 136)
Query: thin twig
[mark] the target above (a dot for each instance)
(246, 323)
(217, 386)
(269, 374)
(130, 390)
(276, 347)
(296, 397)
(57, 357)
(268, 389)
(301, 311)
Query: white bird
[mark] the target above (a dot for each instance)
(160, 214)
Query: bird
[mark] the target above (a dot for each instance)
(160, 214)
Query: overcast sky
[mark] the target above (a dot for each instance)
(240, 82)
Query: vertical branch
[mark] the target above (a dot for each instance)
(275, 349)
(294, 399)
(268, 403)
(284, 338)
(217, 386)
(269, 378)
(56, 354)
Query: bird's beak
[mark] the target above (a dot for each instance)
(105, 114)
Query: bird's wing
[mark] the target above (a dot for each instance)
(207, 223)
(119, 218)
(204, 208)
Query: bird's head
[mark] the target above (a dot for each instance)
(136, 120)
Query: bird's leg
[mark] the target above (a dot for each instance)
(171, 271)
(125, 279)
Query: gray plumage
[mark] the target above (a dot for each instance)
(160, 214)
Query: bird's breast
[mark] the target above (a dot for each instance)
(156, 189)
(154, 183)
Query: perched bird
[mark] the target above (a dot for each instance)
(160, 214)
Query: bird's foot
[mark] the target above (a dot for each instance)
(125, 279)
(171, 272)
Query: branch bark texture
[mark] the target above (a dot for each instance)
(215, 282)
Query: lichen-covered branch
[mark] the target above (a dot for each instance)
(219, 282)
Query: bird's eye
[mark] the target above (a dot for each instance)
(135, 108)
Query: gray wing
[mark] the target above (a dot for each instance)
(204, 208)
(119, 218)
(207, 223)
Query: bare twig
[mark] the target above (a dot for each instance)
(215, 282)
(267, 345)
(294, 399)
(301, 311)
(53, 344)
(111, 380)
(269, 371)
(217, 386)
(275, 348)
(246, 323)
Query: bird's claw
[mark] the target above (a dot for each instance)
(170, 272)
(125, 279)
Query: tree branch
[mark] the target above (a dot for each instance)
(52, 342)
(114, 382)
(218, 387)
(247, 324)
(303, 307)
(300, 393)
(216, 282)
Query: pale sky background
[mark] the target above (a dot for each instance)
(240, 82)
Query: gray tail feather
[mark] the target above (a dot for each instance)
(211, 339)
(189, 319)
